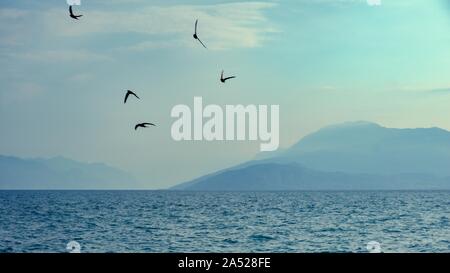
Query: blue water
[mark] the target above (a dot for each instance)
(158, 221)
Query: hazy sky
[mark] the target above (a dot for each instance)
(322, 61)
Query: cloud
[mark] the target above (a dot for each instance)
(60, 56)
(424, 90)
(7, 14)
(21, 91)
(11, 26)
(81, 77)
(351, 2)
(221, 26)
(25, 33)
(440, 91)
(148, 45)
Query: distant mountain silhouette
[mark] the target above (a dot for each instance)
(363, 147)
(282, 177)
(349, 156)
(60, 173)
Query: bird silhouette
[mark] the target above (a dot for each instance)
(143, 125)
(222, 79)
(73, 15)
(129, 92)
(196, 36)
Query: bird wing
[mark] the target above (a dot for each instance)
(134, 94)
(196, 21)
(129, 92)
(148, 124)
(227, 78)
(221, 75)
(70, 10)
(201, 43)
(137, 126)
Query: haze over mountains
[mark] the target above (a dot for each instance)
(60, 173)
(349, 156)
(363, 147)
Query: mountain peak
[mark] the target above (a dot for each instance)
(365, 147)
(351, 155)
(353, 124)
(358, 123)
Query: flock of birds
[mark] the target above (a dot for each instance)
(129, 92)
(139, 125)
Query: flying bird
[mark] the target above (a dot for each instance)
(143, 125)
(196, 36)
(72, 15)
(129, 92)
(222, 79)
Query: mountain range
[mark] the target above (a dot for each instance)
(349, 156)
(60, 173)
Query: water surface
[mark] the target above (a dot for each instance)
(164, 221)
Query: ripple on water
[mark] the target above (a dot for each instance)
(156, 221)
(261, 237)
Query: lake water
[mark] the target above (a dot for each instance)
(163, 221)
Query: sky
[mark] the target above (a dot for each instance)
(322, 61)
